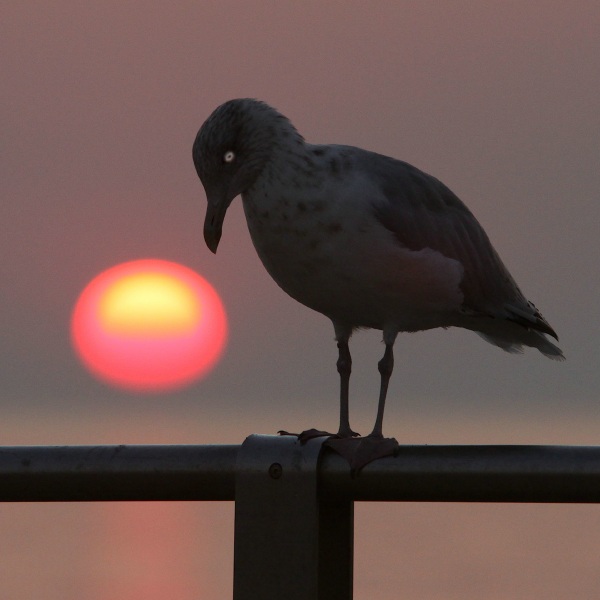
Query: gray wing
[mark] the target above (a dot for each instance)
(421, 212)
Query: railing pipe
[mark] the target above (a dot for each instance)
(189, 472)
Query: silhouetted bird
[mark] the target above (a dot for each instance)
(367, 240)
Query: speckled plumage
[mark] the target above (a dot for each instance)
(367, 240)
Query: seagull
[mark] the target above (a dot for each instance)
(367, 240)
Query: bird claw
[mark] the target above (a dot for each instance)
(360, 452)
(309, 434)
(348, 434)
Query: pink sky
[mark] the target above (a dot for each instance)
(100, 106)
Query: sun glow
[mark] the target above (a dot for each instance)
(149, 303)
(149, 325)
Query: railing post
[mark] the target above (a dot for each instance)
(288, 543)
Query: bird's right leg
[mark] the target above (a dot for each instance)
(344, 367)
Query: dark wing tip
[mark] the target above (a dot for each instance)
(533, 320)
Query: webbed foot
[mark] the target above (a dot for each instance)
(361, 451)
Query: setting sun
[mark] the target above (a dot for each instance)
(149, 325)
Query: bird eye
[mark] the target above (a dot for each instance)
(229, 156)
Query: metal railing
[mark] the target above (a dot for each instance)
(294, 503)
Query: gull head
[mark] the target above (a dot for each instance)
(230, 152)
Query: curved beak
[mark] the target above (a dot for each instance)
(213, 222)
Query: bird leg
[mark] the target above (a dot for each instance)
(362, 451)
(385, 366)
(344, 367)
(358, 452)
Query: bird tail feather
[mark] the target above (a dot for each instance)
(527, 337)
